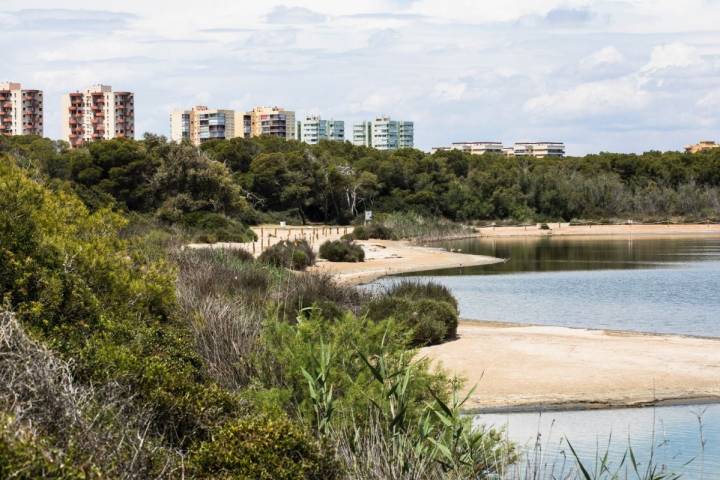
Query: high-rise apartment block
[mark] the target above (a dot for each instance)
(384, 134)
(202, 124)
(21, 111)
(274, 121)
(97, 113)
(313, 129)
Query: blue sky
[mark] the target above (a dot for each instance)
(619, 75)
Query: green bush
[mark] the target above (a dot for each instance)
(295, 255)
(431, 321)
(419, 290)
(342, 251)
(429, 309)
(211, 227)
(376, 231)
(264, 448)
(320, 290)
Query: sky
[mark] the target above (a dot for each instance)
(621, 75)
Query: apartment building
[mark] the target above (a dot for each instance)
(274, 121)
(384, 133)
(473, 148)
(702, 146)
(313, 129)
(539, 149)
(201, 124)
(97, 113)
(21, 111)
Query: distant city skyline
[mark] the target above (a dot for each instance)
(598, 75)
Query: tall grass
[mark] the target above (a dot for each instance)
(421, 228)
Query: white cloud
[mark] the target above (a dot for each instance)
(603, 57)
(591, 99)
(450, 90)
(672, 55)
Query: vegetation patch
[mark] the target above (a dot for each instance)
(342, 251)
(292, 254)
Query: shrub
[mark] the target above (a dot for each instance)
(264, 448)
(376, 231)
(418, 290)
(342, 251)
(431, 321)
(320, 290)
(295, 255)
(211, 227)
(428, 308)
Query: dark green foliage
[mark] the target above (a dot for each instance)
(264, 448)
(342, 251)
(376, 231)
(418, 290)
(292, 254)
(211, 227)
(429, 309)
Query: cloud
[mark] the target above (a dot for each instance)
(450, 91)
(603, 57)
(294, 16)
(569, 16)
(672, 55)
(591, 99)
(51, 19)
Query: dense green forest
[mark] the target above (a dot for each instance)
(265, 179)
(124, 354)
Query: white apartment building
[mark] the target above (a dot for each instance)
(473, 148)
(539, 149)
(21, 111)
(97, 113)
(201, 124)
(384, 133)
(313, 129)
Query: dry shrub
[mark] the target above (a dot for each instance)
(95, 431)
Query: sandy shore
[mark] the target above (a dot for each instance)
(517, 367)
(564, 229)
(387, 257)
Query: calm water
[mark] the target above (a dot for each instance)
(643, 284)
(664, 285)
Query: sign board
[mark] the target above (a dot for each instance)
(368, 215)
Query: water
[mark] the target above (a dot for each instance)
(674, 436)
(649, 284)
(667, 285)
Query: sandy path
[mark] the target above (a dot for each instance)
(524, 367)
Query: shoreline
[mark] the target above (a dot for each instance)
(566, 230)
(392, 257)
(562, 368)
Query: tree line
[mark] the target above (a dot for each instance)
(269, 179)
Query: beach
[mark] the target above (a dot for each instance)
(527, 367)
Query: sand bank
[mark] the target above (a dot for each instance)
(388, 257)
(519, 368)
(564, 229)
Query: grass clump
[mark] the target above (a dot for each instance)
(295, 255)
(342, 251)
